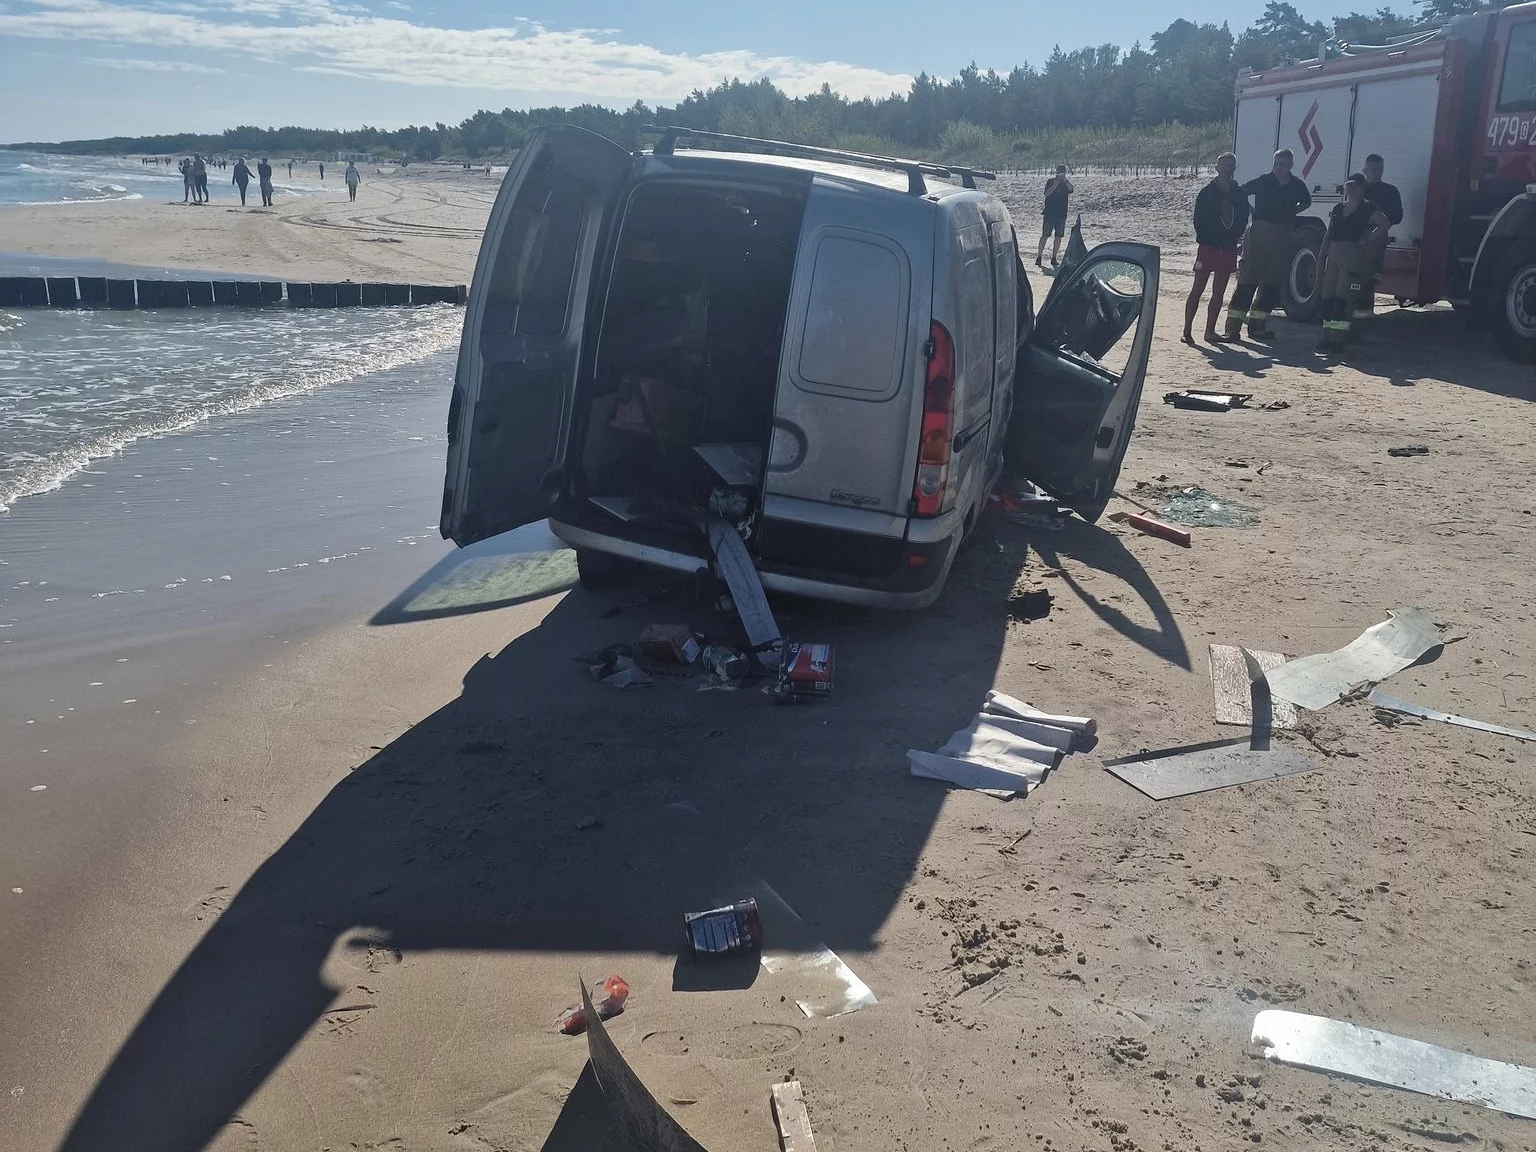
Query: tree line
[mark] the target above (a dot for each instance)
(1183, 76)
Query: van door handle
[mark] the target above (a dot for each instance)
(970, 434)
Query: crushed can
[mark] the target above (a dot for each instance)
(805, 673)
(724, 931)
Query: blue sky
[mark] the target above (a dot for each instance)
(73, 69)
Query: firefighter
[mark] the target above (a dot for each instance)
(1386, 199)
(1346, 258)
(1277, 197)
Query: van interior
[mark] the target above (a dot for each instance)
(688, 352)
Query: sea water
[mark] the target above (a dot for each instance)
(78, 386)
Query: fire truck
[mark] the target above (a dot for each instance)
(1453, 114)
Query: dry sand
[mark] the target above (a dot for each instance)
(357, 925)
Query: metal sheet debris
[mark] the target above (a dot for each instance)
(1378, 652)
(1392, 704)
(996, 740)
(647, 1123)
(1235, 689)
(740, 576)
(1206, 400)
(824, 985)
(1325, 1045)
(1172, 772)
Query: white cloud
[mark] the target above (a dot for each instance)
(150, 65)
(521, 56)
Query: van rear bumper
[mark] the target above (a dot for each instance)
(915, 584)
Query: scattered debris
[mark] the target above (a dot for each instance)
(1207, 400)
(1325, 1045)
(1012, 847)
(1006, 749)
(670, 643)
(1378, 652)
(722, 931)
(1277, 405)
(828, 987)
(805, 673)
(740, 575)
(726, 663)
(1409, 450)
(1243, 699)
(1001, 704)
(1035, 605)
(1392, 704)
(1172, 772)
(615, 666)
(793, 1121)
(1151, 526)
(589, 824)
(1201, 509)
(647, 1123)
(608, 998)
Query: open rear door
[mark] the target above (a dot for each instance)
(510, 416)
(1079, 380)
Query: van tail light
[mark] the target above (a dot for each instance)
(938, 421)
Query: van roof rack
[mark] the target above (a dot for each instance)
(915, 169)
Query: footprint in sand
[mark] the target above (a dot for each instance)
(211, 906)
(369, 955)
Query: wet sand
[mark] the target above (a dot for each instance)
(344, 906)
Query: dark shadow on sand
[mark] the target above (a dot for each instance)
(462, 832)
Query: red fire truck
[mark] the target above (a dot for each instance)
(1453, 114)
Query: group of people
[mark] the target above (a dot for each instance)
(1259, 244)
(194, 178)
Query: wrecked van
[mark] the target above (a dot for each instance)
(836, 353)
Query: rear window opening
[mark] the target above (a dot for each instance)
(688, 352)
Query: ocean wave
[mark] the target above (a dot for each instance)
(76, 200)
(26, 168)
(36, 475)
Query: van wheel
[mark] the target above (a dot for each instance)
(598, 571)
(1301, 300)
(1513, 310)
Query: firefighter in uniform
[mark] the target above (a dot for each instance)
(1346, 259)
(1387, 200)
(1277, 197)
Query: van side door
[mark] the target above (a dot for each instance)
(1079, 378)
(510, 414)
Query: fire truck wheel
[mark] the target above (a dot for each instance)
(1514, 304)
(1301, 299)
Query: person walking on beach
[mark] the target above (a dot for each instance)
(1277, 197)
(199, 179)
(186, 178)
(264, 174)
(1057, 189)
(353, 178)
(1221, 215)
(242, 178)
(290, 169)
(1346, 256)
(322, 170)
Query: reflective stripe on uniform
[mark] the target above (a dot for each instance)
(1336, 325)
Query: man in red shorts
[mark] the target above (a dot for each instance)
(1221, 215)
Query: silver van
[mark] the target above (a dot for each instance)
(834, 352)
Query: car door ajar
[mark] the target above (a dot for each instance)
(1080, 375)
(510, 415)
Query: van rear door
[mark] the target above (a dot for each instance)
(1079, 380)
(844, 426)
(510, 414)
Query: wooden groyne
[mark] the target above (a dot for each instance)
(106, 292)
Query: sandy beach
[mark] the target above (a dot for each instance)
(409, 222)
(308, 844)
